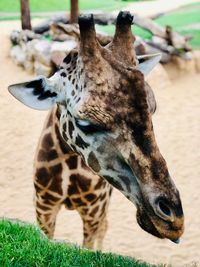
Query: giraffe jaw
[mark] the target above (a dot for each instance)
(147, 215)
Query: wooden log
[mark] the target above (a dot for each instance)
(25, 15)
(74, 10)
(62, 32)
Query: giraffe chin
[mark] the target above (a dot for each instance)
(146, 224)
(157, 227)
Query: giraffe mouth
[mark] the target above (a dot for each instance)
(159, 217)
(159, 226)
(146, 224)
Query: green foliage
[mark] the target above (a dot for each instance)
(110, 29)
(177, 19)
(23, 245)
(63, 5)
(182, 21)
(195, 42)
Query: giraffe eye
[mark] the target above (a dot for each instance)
(88, 127)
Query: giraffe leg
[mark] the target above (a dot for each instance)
(94, 224)
(94, 232)
(48, 199)
(46, 215)
(88, 235)
(48, 185)
(101, 234)
(102, 229)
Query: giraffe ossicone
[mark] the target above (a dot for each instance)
(100, 133)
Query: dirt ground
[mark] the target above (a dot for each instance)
(177, 128)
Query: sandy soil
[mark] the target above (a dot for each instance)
(177, 127)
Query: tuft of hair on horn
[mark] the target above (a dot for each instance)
(124, 18)
(86, 21)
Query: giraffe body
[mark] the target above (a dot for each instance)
(100, 134)
(62, 178)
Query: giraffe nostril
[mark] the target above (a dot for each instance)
(163, 209)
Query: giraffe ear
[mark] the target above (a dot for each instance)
(148, 62)
(39, 93)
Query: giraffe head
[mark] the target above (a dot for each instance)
(105, 114)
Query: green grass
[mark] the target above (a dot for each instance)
(181, 19)
(63, 5)
(110, 29)
(195, 42)
(23, 245)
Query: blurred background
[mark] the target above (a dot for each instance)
(35, 36)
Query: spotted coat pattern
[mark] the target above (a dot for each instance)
(62, 178)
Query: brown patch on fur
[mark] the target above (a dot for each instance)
(103, 208)
(70, 128)
(57, 178)
(95, 224)
(90, 197)
(38, 214)
(113, 182)
(73, 188)
(78, 201)
(47, 142)
(83, 210)
(103, 196)
(110, 192)
(47, 155)
(94, 211)
(100, 184)
(93, 162)
(37, 188)
(42, 207)
(72, 162)
(48, 198)
(85, 234)
(68, 203)
(63, 145)
(42, 176)
(81, 182)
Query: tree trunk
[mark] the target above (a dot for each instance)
(25, 15)
(74, 10)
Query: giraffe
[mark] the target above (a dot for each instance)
(99, 135)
